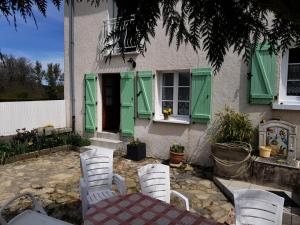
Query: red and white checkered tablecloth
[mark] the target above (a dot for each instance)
(139, 209)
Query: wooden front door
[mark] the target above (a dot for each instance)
(111, 102)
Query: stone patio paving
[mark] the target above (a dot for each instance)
(54, 180)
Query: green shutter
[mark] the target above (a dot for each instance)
(90, 102)
(201, 95)
(127, 103)
(262, 76)
(144, 94)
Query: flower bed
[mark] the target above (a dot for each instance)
(41, 152)
(31, 143)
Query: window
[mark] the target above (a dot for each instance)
(112, 9)
(293, 76)
(115, 11)
(175, 93)
(289, 91)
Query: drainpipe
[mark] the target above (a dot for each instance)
(71, 60)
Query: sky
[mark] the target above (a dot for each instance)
(44, 42)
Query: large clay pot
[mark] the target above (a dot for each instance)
(232, 160)
(176, 158)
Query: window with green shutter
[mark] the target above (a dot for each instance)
(201, 95)
(262, 82)
(90, 102)
(127, 103)
(144, 94)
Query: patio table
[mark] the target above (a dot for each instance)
(139, 209)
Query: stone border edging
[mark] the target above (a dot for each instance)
(41, 152)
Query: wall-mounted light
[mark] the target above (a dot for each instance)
(132, 62)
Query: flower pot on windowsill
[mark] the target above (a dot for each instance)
(166, 116)
(137, 151)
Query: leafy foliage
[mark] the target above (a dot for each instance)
(39, 72)
(52, 76)
(232, 126)
(25, 8)
(213, 26)
(77, 140)
(30, 141)
(135, 142)
(177, 148)
(21, 80)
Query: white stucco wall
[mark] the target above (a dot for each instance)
(229, 86)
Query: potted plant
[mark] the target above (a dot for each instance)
(136, 150)
(176, 153)
(231, 148)
(167, 112)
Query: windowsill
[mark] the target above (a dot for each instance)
(286, 106)
(176, 120)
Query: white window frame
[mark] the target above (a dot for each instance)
(174, 117)
(283, 97)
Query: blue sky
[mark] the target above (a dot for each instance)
(45, 43)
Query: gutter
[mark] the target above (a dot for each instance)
(71, 61)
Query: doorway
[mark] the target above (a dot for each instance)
(111, 102)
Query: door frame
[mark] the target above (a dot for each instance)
(100, 102)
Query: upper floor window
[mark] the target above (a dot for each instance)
(289, 90)
(116, 10)
(112, 9)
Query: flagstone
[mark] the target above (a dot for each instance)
(54, 179)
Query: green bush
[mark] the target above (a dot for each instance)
(232, 126)
(76, 140)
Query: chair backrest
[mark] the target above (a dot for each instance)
(258, 207)
(155, 181)
(97, 168)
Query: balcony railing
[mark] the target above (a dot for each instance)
(126, 27)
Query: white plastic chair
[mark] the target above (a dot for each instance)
(155, 182)
(37, 216)
(258, 207)
(98, 177)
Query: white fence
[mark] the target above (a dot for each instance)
(31, 114)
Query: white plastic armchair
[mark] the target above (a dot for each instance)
(37, 216)
(258, 207)
(97, 177)
(155, 182)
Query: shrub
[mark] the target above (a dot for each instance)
(5, 151)
(77, 140)
(233, 126)
(18, 147)
(135, 142)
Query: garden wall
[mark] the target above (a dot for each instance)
(31, 114)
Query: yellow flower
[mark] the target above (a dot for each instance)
(30, 143)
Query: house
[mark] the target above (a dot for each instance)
(119, 97)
